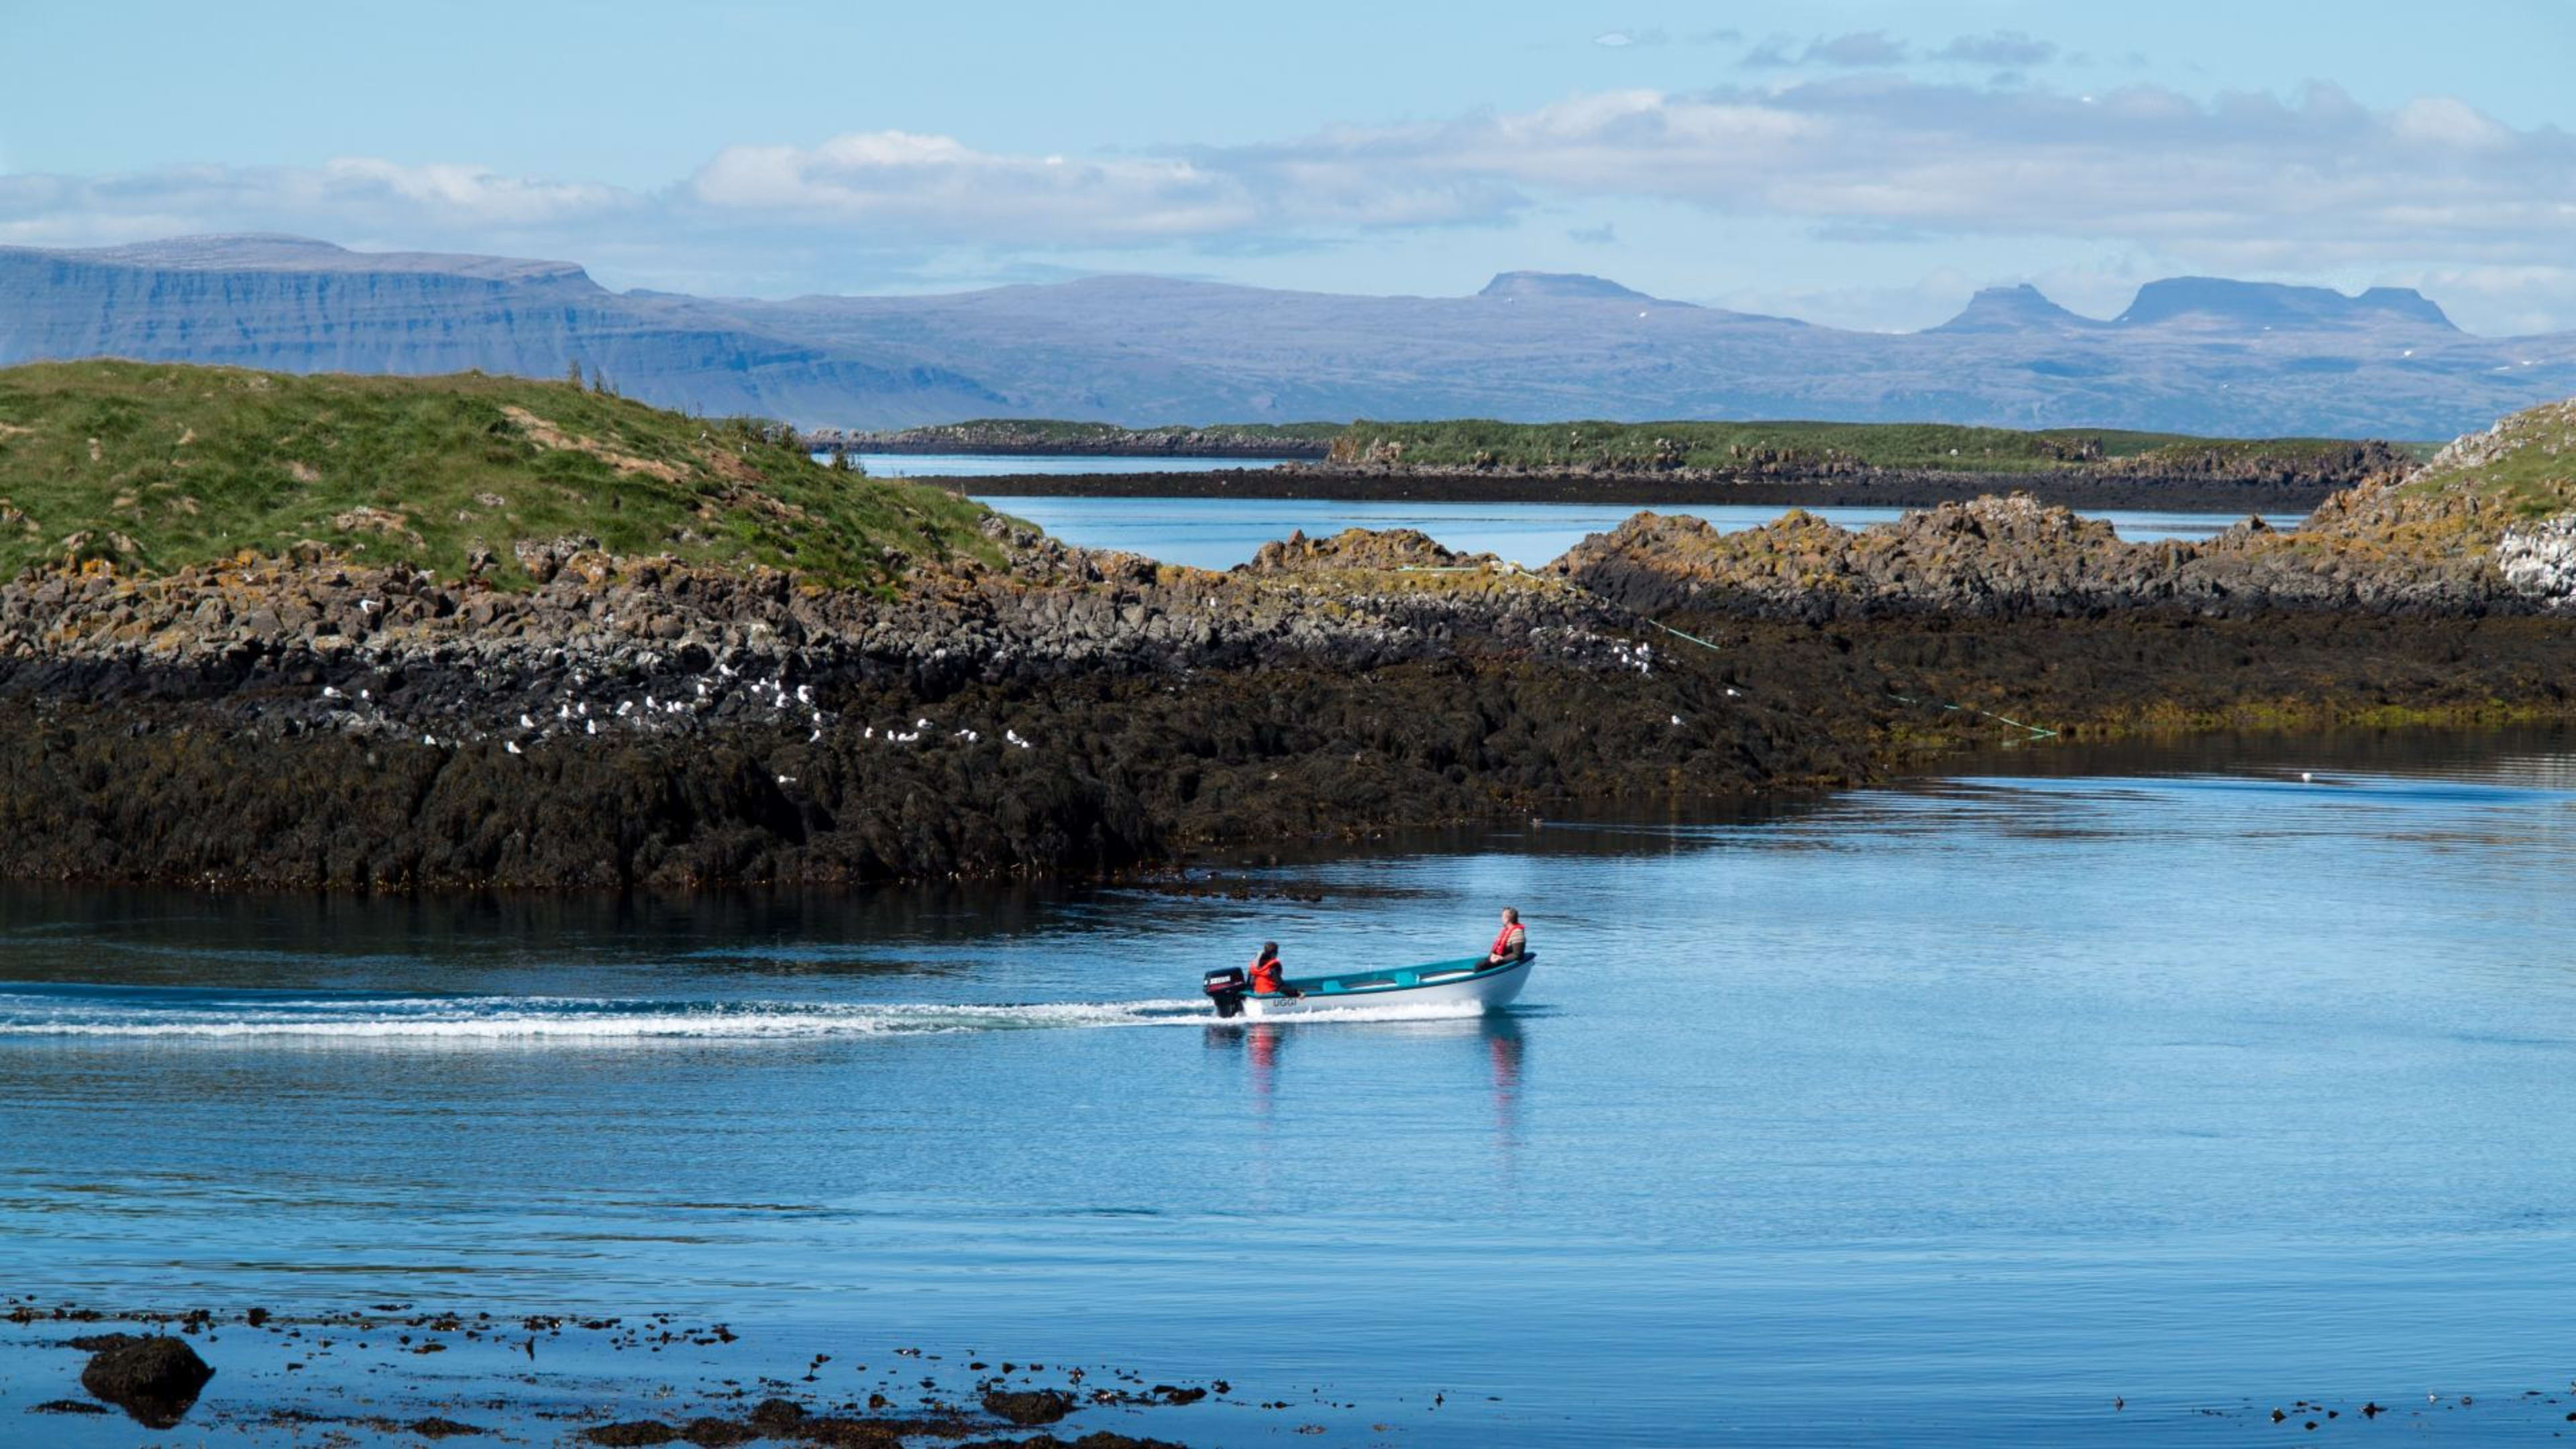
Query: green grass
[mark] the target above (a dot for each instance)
(2528, 464)
(1651, 446)
(161, 466)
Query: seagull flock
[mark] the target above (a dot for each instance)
(652, 711)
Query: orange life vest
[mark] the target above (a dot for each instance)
(1265, 976)
(1503, 940)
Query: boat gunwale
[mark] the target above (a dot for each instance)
(1426, 975)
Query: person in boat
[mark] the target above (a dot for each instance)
(1269, 978)
(1511, 943)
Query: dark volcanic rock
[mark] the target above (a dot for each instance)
(154, 1380)
(839, 1433)
(1360, 548)
(1028, 1406)
(640, 723)
(2016, 558)
(714, 1433)
(637, 722)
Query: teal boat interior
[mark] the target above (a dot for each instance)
(1403, 978)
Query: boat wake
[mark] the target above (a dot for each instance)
(45, 1011)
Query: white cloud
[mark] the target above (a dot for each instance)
(940, 186)
(466, 193)
(2442, 121)
(937, 187)
(343, 198)
(2242, 176)
(2312, 184)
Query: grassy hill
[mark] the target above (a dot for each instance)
(1644, 447)
(162, 465)
(2527, 462)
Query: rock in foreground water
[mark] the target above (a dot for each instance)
(1032, 1406)
(154, 1380)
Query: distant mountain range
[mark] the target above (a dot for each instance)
(2191, 354)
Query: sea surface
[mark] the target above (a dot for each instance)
(1218, 533)
(2204, 1078)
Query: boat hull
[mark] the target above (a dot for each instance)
(1464, 986)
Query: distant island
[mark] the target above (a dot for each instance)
(1057, 438)
(1675, 462)
(2198, 355)
(393, 634)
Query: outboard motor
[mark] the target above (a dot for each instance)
(1226, 988)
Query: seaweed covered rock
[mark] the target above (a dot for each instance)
(2014, 558)
(1360, 548)
(1028, 1407)
(154, 1380)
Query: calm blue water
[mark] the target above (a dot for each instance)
(1218, 533)
(1935, 1114)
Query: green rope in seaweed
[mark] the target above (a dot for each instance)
(2035, 731)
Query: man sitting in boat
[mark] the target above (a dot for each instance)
(1268, 974)
(1511, 944)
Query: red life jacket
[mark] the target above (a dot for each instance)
(1265, 976)
(1503, 940)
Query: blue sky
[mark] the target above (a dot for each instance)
(1865, 165)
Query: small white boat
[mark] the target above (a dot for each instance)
(1465, 983)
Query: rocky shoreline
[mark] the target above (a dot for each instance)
(1883, 488)
(306, 724)
(402, 1371)
(2014, 558)
(405, 1372)
(614, 723)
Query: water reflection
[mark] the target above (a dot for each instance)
(1498, 1044)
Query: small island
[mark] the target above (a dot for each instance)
(1690, 462)
(471, 632)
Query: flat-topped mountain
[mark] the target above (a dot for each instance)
(2218, 302)
(273, 252)
(2193, 355)
(1562, 284)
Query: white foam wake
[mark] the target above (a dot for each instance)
(540, 1019)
